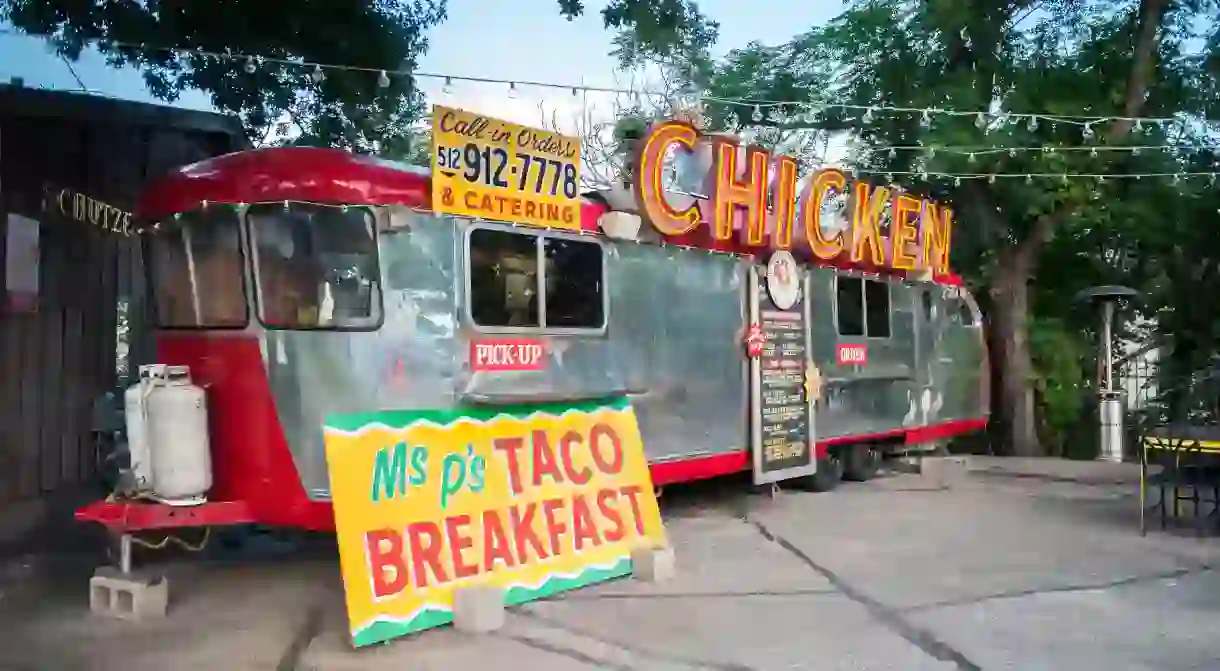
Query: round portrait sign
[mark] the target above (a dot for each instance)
(783, 280)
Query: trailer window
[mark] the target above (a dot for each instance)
(849, 305)
(315, 266)
(862, 307)
(960, 313)
(508, 270)
(195, 269)
(877, 308)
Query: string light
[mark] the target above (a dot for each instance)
(963, 150)
(1029, 177)
(1031, 119)
(985, 120)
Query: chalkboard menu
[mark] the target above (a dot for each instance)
(782, 417)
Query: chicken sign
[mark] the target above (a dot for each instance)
(753, 196)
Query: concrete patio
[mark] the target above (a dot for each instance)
(1031, 568)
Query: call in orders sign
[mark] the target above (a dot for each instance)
(492, 169)
(535, 499)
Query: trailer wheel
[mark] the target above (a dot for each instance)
(827, 477)
(860, 462)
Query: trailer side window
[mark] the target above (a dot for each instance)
(849, 304)
(960, 313)
(195, 270)
(508, 270)
(315, 266)
(877, 308)
(863, 307)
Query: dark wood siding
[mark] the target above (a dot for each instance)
(55, 361)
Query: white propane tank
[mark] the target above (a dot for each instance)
(178, 439)
(134, 409)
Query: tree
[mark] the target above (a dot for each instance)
(1105, 58)
(348, 109)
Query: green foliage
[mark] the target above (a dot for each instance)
(1063, 361)
(674, 32)
(1062, 57)
(348, 109)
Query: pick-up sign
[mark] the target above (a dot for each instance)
(507, 354)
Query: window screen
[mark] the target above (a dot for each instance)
(877, 308)
(849, 302)
(508, 269)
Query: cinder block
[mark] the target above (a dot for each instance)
(943, 471)
(129, 597)
(653, 564)
(478, 609)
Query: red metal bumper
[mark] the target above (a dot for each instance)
(134, 516)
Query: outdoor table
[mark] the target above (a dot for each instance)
(1189, 456)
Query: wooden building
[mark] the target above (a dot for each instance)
(71, 278)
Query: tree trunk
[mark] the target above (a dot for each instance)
(1010, 357)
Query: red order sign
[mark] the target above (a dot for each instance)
(853, 355)
(507, 354)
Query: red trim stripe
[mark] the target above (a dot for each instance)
(708, 466)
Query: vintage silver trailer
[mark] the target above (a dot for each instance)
(295, 283)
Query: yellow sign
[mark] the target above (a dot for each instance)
(535, 499)
(492, 169)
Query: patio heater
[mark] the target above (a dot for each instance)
(1109, 397)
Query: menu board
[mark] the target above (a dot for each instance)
(782, 417)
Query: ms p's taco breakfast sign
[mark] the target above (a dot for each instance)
(535, 499)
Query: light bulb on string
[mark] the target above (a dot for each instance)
(868, 115)
(250, 67)
(931, 152)
(447, 89)
(925, 120)
(957, 181)
(383, 80)
(1087, 133)
(575, 92)
(512, 90)
(1029, 179)
(757, 115)
(318, 76)
(980, 120)
(893, 152)
(970, 157)
(991, 178)
(1135, 151)
(1033, 123)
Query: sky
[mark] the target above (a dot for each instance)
(523, 40)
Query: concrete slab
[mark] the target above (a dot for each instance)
(915, 548)
(222, 617)
(1161, 625)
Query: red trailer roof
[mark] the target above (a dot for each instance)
(335, 176)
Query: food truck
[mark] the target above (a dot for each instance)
(800, 327)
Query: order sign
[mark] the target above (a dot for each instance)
(492, 169)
